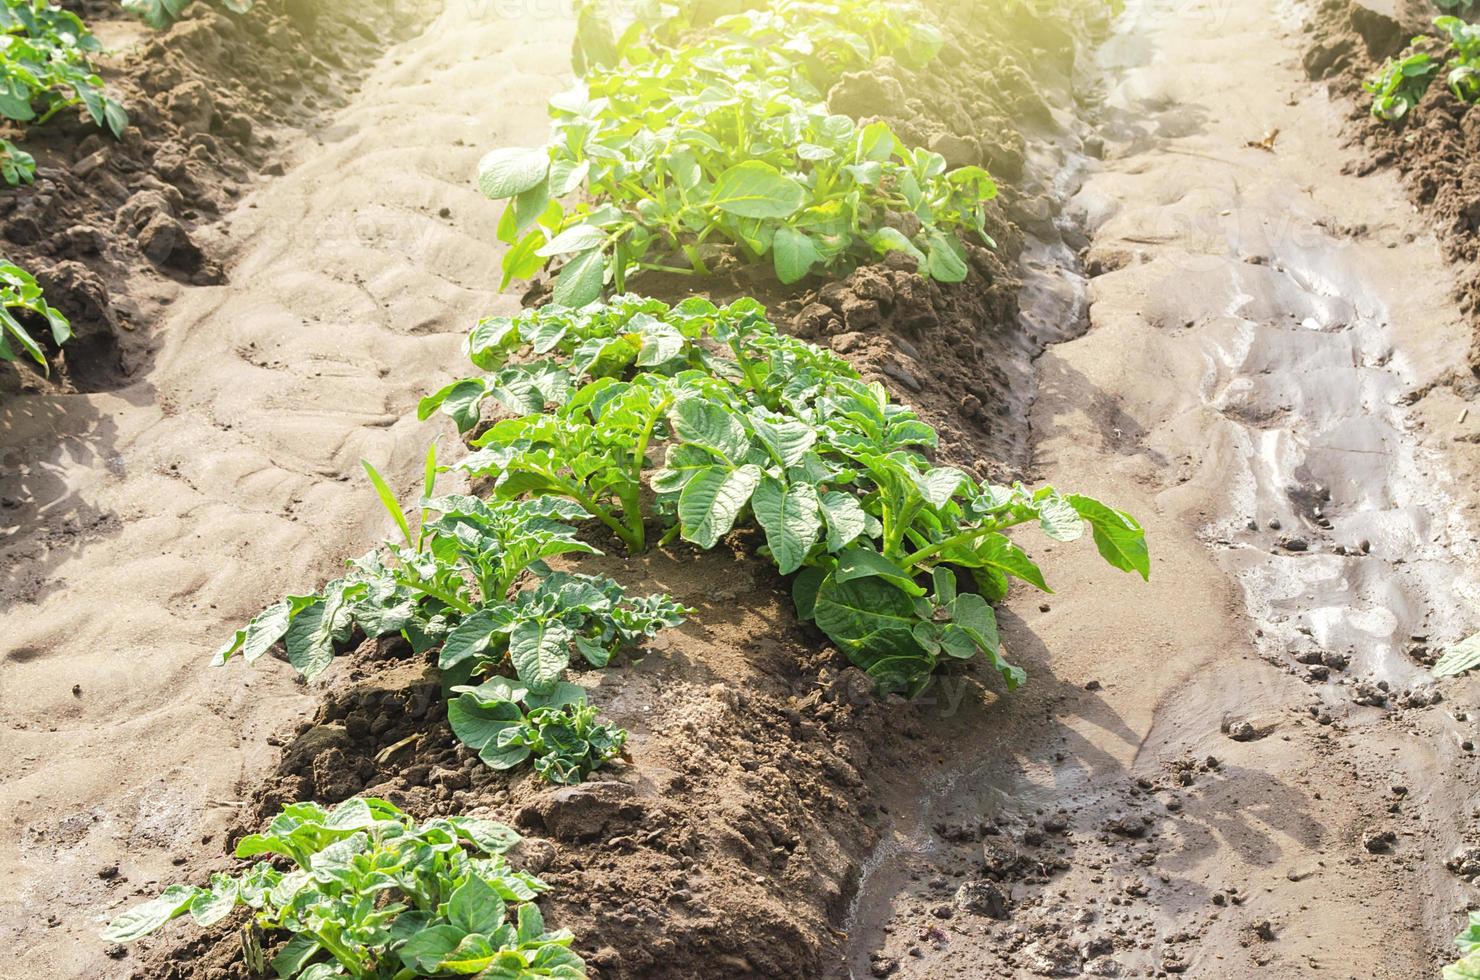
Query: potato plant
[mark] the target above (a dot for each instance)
(1402, 82)
(508, 724)
(722, 150)
(817, 39)
(372, 894)
(1468, 965)
(1464, 63)
(160, 14)
(44, 70)
(753, 427)
(534, 633)
(19, 293)
(451, 584)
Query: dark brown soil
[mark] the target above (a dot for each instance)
(744, 800)
(210, 101)
(730, 844)
(1436, 148)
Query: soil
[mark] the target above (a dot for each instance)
(1232, 775)
(746, 798)
(1229, 773)
(1435, 148)
(211, 101)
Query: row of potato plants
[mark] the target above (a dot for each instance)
(637, 423)
(44, 70)
(680, 150)
(753, 428)
(760, 428)
(1402, 82)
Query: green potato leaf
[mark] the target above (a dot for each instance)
(143, 919)
(791, 516)
(756, 189)
(512, 170)
(1458, 659)
(712, 500)
(580, 280)
(1120, 540)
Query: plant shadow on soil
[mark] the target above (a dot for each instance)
(45, 521)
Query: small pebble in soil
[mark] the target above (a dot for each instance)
(1242, 731)
(1379, 841)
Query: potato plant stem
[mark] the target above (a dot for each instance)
(965, 537)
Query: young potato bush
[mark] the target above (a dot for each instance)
(374, 895)
(724, 148)
(1402, 82)
(819, 39)
(508, 724)
(451, 585)
(1464, 70)
(19, 292)
(44, 70)
(755, 427)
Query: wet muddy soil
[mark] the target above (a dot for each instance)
(1243, 771)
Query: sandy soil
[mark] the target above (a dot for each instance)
(159, 516)
(1244, 355)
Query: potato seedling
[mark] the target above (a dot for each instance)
(1403, 81)
(19, 293)
(44, 70)
(508, 724)
(1464, 70)
(374, 895)
(452, 585)
(722, 149)
(534, 632)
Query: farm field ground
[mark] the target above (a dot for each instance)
(1211, 304)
